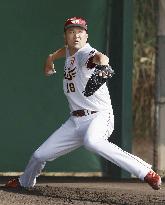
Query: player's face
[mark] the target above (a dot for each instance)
(76, 38)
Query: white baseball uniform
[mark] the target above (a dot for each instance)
(91, 127)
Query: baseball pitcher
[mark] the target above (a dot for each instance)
(91, 120)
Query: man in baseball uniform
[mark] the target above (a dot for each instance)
(91, 120)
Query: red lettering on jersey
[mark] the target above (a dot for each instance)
(69, 75)
(72, 61)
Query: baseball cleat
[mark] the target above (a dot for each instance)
(153, 179)
(13, 183)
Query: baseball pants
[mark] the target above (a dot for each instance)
(92, 132)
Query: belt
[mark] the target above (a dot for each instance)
(80, 113)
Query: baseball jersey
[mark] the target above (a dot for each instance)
(77, 72)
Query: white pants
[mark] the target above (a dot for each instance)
(92, 131)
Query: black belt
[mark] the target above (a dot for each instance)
(80, 113)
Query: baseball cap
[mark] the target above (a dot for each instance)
(75, 21)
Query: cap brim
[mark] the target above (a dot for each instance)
(75, 25)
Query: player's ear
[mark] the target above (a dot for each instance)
(87, 35)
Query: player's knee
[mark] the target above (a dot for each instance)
(38, 156)
(90, 144)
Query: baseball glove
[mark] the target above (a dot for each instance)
(97, 79)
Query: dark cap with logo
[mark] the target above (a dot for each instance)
(75, 21)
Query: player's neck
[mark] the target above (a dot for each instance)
(72, 51)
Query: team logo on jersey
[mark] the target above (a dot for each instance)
(69, 74)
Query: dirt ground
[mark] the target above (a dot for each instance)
(83, 191)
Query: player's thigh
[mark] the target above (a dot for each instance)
(62, 141)
(100, 128)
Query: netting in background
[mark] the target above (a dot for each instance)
(144, 77)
